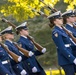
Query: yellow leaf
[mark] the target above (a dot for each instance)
(46, 11)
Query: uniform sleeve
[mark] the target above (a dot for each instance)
(28, 60)
(9, 47)
(57, 38)
(22, 45)
(37, 53)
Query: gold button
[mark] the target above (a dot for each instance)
(28, 63)
(17, 66)
(6, 74)
(68, 55)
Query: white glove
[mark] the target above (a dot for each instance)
(23, 72)
(20, 58)
(31, 53)
(74, 61)
(34, 69)
(43, 50)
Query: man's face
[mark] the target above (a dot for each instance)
(24, 32)
(0, 38)
(10, 36)
(58, 21)
(75, 18)
(71, 19)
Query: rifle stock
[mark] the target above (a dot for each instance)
(41, 13)
(38, 46)
(13, 55)
(25, 52)
(11, 24)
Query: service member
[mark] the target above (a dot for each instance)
(8, 36)
(5, 65)
(28, 45)
(68, 20)
(74, 16)
(62, 42)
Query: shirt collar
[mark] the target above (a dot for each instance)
(9, 40)
(24, 36)
(70, 24)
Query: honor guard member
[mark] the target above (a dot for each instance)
(62, 42)
(28, 45)
(8, 35)
(5, 65)
(68, 20)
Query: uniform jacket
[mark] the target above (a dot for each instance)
(17, 67)
(27, 44)
(5, 68)
(73, 44)
(62, 43)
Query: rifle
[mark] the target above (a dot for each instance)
(25, 52)
(38, 46)
(39, 12)
(74, 25)
(15, 57)
(69, 33)
(8, 22)
(49, 7)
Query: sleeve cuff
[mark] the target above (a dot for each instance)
(43, 50)
(74, 61)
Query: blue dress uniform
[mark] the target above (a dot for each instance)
(14, 49)
(62, 42)
(73, 30)
(73, 45)
(17, 67)
(27, 44)
(65, 57)
(5, 65)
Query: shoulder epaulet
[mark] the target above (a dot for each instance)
(54, 31)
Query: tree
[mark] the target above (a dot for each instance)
(21, 9)
(71, 4)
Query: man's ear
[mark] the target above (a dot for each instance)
(54, 21)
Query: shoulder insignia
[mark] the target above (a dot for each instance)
(56, 34)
